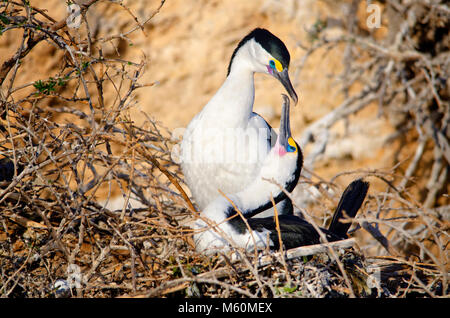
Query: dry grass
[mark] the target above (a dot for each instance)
(64, 147)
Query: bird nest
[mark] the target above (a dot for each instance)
(66, 152)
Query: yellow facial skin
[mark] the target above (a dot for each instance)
(278, 65)
(291, 143)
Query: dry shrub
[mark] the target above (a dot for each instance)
(64, 147)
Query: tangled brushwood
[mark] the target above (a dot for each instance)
(65, 147)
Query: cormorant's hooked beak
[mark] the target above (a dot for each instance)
(283, 77)
(285, 126)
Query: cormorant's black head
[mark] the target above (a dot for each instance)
(266, 53)
(273, 45)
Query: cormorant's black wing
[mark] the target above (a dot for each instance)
(294, 231)
(350, 202)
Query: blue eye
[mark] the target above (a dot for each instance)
(290, 148)
(272, 64)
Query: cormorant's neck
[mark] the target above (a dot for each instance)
(250, 208)
(256, 198)
(232, 105)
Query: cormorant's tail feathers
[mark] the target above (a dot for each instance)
(350, 202)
